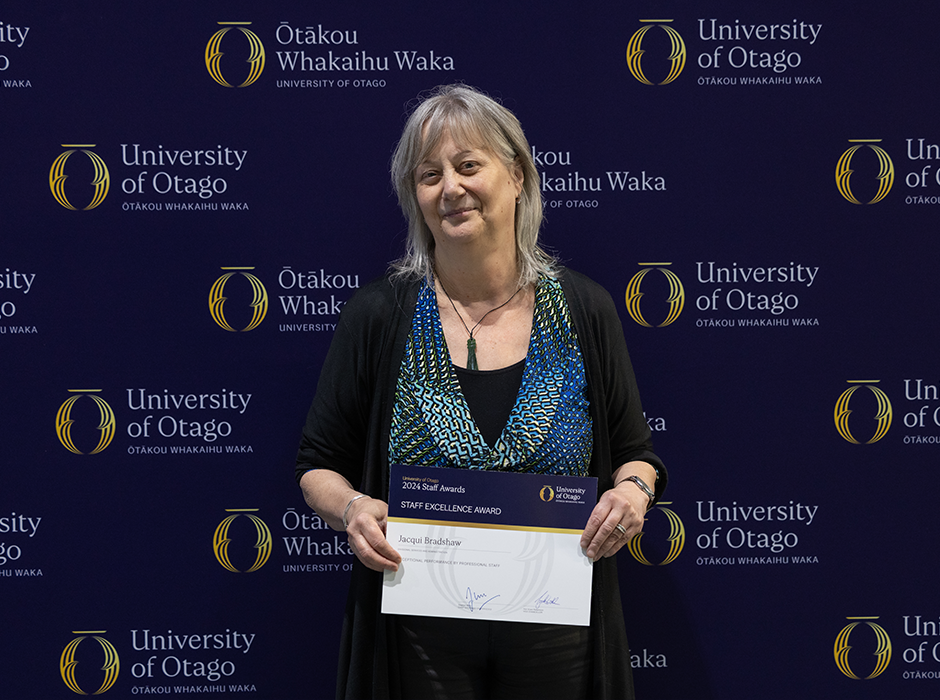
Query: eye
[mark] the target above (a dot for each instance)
(469, 166)
(425, 176)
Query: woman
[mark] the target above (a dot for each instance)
(476, 326)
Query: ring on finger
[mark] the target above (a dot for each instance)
(621, 529)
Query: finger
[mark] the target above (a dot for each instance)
(618, 538)
(381, 546)
(366, 537)
(595, 521)
(609, 511)
(612, 540)
(606, 536)
(624, 531)
(376, 554)
(615, 532)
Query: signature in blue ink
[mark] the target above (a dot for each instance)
(546, 599)
(473, 598)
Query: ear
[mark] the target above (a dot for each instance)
(517, 175)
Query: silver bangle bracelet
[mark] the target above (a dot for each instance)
(346, 511)
(642, 486)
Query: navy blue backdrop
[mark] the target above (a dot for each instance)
(191, 191)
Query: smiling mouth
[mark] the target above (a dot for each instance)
(457, 212)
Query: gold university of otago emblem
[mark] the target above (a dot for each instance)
(844, 171)
(635, 51)
(882, 651)
(68, 663)
(883, 413)
(255, 54)
(675, 300)
(221, 540)
(101, 179)
(676, 538)
(259, 302)
(64, 422)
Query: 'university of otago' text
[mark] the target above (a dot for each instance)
(189, 660)
(180, 174)
(733, 295)
(16, 533)
(923, 422)
(923, 180)
(755, 48)
(197, 423)
(727, 52)
(748, 534)
(12, 40)
(754, 295)
(922, 647)
(14, 286)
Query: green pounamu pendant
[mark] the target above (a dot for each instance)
(472, 353)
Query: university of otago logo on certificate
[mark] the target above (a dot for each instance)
(79, 178)
(878, 409)
(664, 305)
(675, 538)
(69, 419)
(258, 305)
(646, 57)
(226, 56)
(872, 644)
(864, 180)
(89, 664)
(224, 540)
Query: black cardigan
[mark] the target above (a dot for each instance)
(347, 431)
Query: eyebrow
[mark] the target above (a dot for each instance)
(460, 154)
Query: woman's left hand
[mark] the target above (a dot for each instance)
(624, 505)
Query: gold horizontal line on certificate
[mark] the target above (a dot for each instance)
(485, 526)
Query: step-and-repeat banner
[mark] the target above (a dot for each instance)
(191, 192)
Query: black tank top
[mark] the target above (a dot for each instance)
(491, 394)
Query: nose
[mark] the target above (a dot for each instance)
(453, 184)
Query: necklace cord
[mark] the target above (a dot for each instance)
(471, 341)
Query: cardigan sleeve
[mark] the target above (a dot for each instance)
(337, 427)
(629, 436)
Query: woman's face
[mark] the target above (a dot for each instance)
(467, 195)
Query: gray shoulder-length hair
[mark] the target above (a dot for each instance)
(475, 120)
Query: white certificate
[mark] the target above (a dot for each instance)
(489, 545)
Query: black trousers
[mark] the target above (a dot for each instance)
(479, 659)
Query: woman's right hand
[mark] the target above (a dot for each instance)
(364, 518)
(366, 521)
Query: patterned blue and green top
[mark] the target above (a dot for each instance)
(549, 428)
